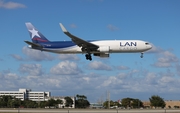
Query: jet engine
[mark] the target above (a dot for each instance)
(104, 55)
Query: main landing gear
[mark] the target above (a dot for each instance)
(88, 56)
(141, 55)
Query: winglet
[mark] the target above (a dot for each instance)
(63, 28)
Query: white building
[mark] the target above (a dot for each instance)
(27, 94)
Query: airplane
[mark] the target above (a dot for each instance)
(100, 48)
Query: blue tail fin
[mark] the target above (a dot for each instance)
(35, 35)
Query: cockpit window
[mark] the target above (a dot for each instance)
(147, 43)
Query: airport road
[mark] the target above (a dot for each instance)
(88, 111)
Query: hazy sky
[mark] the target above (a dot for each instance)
(123, 75)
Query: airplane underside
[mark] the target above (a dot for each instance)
(88, 56)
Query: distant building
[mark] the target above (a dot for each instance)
(96, 106)
(36, 96)
(172, 104)
(169, 104)
(27, 94)
(147, 104)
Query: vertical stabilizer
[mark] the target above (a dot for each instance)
(35, 35)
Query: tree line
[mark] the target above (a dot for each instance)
(7, 101)
(155, 101)
(80, 102)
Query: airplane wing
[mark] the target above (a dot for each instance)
(80, 42)
(33, 44)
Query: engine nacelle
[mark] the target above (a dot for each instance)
(105, 55)
(104, 49)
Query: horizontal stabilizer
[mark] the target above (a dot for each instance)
(33, 44)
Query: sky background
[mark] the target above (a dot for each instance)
(123, 75)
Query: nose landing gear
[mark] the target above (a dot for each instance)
(141, 55)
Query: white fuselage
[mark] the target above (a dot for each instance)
(115, 46)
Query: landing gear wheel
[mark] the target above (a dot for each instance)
(88, 57)
(141, 55)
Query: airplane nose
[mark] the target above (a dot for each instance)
(150, 46)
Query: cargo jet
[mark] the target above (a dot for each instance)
(100, 48)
